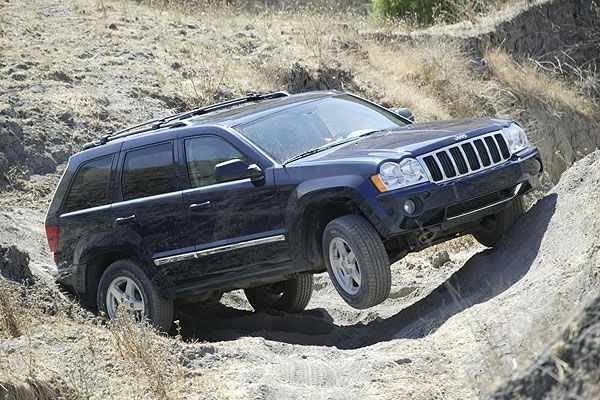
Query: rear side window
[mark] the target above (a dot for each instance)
(148, 171)
(90, 185)
(203, 153)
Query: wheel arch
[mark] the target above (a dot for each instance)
(309, 211)
(92, 265)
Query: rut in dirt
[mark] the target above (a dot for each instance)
(484, 276)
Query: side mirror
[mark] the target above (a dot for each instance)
(236, 169)
(406, 113)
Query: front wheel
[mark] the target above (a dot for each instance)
(125, 286)
(495, 226)
(357, 262)
(291, 296)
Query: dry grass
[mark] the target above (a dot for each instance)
(51, 348)
(12, 321)
(526, 79)
(145, 358)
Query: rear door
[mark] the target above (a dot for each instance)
(150, 216)
(235, 225)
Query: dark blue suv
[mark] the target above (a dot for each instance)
(262, 192)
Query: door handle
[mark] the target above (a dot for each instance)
(199, 206)
(125, 220)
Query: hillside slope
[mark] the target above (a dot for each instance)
(74, 70)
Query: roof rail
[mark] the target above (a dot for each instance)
(175, 120)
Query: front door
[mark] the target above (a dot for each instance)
(236, 225)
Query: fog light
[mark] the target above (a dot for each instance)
(409, 206)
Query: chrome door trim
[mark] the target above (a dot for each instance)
(219, 249)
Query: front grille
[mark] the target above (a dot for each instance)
(466, 157)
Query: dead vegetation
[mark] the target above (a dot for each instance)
(115, 360)
(74, 70)
(132, 61)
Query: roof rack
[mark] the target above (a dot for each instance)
(175, 120)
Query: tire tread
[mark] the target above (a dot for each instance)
(364, 236)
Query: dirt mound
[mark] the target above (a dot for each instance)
(561, 37)
(558, 31)
(568, 369)
(302, 78)
(14, 264)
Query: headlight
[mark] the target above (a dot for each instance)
(516, 138)
(393, 175)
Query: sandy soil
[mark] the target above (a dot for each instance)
(74, 69)
(448, 332)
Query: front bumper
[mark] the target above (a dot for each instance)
(453, 204)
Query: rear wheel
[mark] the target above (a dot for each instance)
(493, 228)
(125, 286)
(291, 296)
(357, 261)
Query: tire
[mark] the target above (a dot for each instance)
(124, 283)
(357, 262)
(494, 228)
(291, 296)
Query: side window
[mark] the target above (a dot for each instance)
(203, 153)
(148, 171)
(90, 185)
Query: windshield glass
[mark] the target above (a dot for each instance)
(316, 124)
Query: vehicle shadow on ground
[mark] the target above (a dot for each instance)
(484, 276)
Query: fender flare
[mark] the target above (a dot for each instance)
(313, 191)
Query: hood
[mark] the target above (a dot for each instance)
(411, 140)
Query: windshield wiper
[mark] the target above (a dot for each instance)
(333, 144)
(317, 150)
(371, 132)
(306, 154)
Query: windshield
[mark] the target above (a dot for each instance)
(300, 129)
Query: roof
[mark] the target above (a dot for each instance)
(230, 113)
(247, 112)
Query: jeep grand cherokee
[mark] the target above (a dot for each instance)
(264, 191)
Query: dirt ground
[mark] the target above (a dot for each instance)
(449, 332)
(516, 321)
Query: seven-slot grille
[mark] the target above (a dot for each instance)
(466, 157)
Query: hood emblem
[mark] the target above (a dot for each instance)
(460, 137)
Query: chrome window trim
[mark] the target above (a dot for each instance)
(85, 210)
(219, 249)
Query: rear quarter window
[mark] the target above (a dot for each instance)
(89, 188)
(148, 171)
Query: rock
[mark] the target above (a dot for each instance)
(17, 76)
(301, 78)
(67, 118)
(112, 26)
(11, 147)
(14, 265)
(8, 110)
(60, 76)
(440, 258)
(40, 162)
